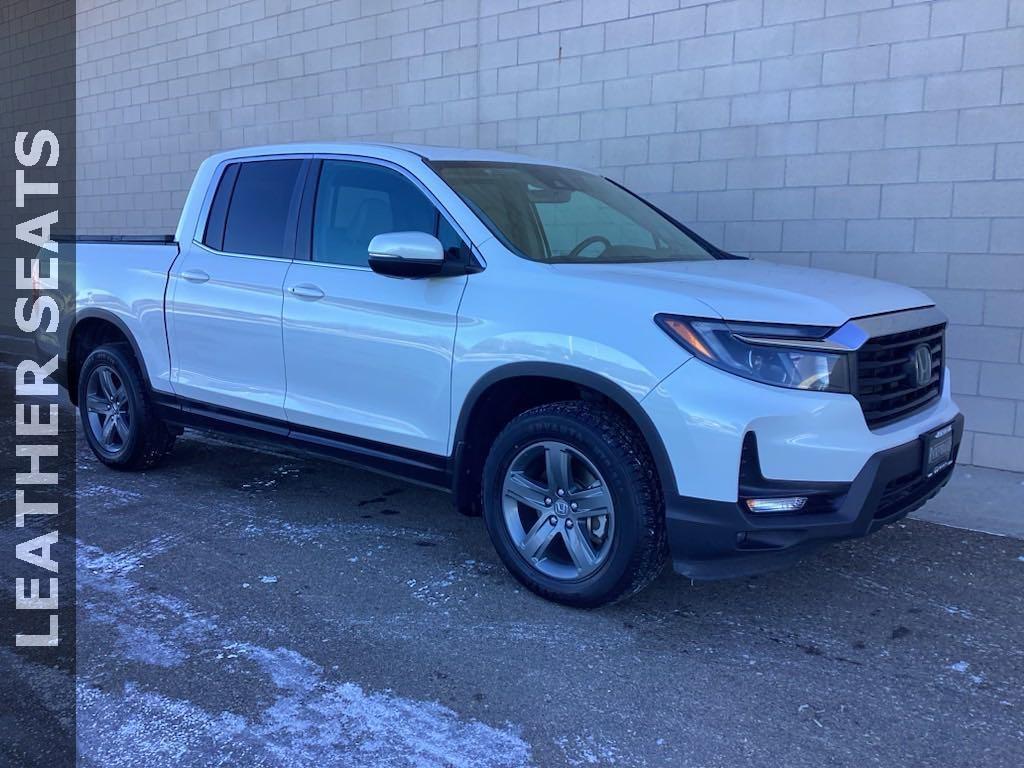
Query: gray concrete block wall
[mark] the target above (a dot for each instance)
(881, 137)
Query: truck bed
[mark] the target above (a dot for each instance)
(140, 239)
(124, 278)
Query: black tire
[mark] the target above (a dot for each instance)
(148, 439)
(638, 549)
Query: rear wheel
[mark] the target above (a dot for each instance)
(573, 506)
(117, 416)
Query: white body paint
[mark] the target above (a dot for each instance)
(393, 361)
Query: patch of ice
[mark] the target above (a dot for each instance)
(453, 586)
(146, 646)
(107, 495)
(286, 668)
(136, 727)
(954, 610)
(340, 531)
(581, 750)
(312, 721)
(92, 559)
(149, 628)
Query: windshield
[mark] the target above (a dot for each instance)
(560, 215)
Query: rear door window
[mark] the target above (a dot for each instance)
(263, 202)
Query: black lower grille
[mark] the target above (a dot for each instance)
(821, 496)
(905, 492)
(888, 383)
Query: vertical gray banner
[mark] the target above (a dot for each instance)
(37, 423)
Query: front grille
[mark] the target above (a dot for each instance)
(886, 376)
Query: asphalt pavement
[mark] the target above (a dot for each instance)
(247, 607)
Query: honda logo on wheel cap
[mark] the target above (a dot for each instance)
(921, 361)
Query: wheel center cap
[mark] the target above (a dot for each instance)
(561, 508)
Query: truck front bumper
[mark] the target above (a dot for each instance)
(721, 539)
(813, 441)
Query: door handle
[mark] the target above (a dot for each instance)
(307, 291)
(195, 275)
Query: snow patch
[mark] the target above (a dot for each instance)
(954, 610)
(454, 586)
(580, 750)
(340, 531)
(312, 720)
(107, 495)
(93, 560)
(312, 723)
(148, 628)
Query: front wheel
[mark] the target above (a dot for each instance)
(573, 505)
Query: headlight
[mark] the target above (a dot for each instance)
(795, 356)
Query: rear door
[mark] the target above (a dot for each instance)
(369, 356)
(224, 298)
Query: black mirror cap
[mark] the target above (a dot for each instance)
(392, 267)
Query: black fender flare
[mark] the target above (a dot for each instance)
(95, 313)
(572, 374)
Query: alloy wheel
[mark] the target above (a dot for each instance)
(108, 409)
(558, 510)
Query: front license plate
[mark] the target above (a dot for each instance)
(938, 449)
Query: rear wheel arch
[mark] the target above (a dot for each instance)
(92, 329)
(505, 392)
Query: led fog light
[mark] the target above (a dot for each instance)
(790, 504)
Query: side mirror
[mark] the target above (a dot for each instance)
(406, 254)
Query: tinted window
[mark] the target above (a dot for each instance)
(258, 214)
(214, 236)
(556, 214)
(580, 217)
(454, 248)
(357, 201)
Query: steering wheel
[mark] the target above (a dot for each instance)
(584, 244)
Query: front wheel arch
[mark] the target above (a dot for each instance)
(485, 412)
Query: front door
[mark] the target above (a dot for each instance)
(225, 292)
(370, 356)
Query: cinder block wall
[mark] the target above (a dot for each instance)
(881, 137)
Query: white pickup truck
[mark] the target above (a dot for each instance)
(607, 388)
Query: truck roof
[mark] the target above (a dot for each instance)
(384, 151)
(403, 155)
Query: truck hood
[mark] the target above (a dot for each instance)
(758, 291)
